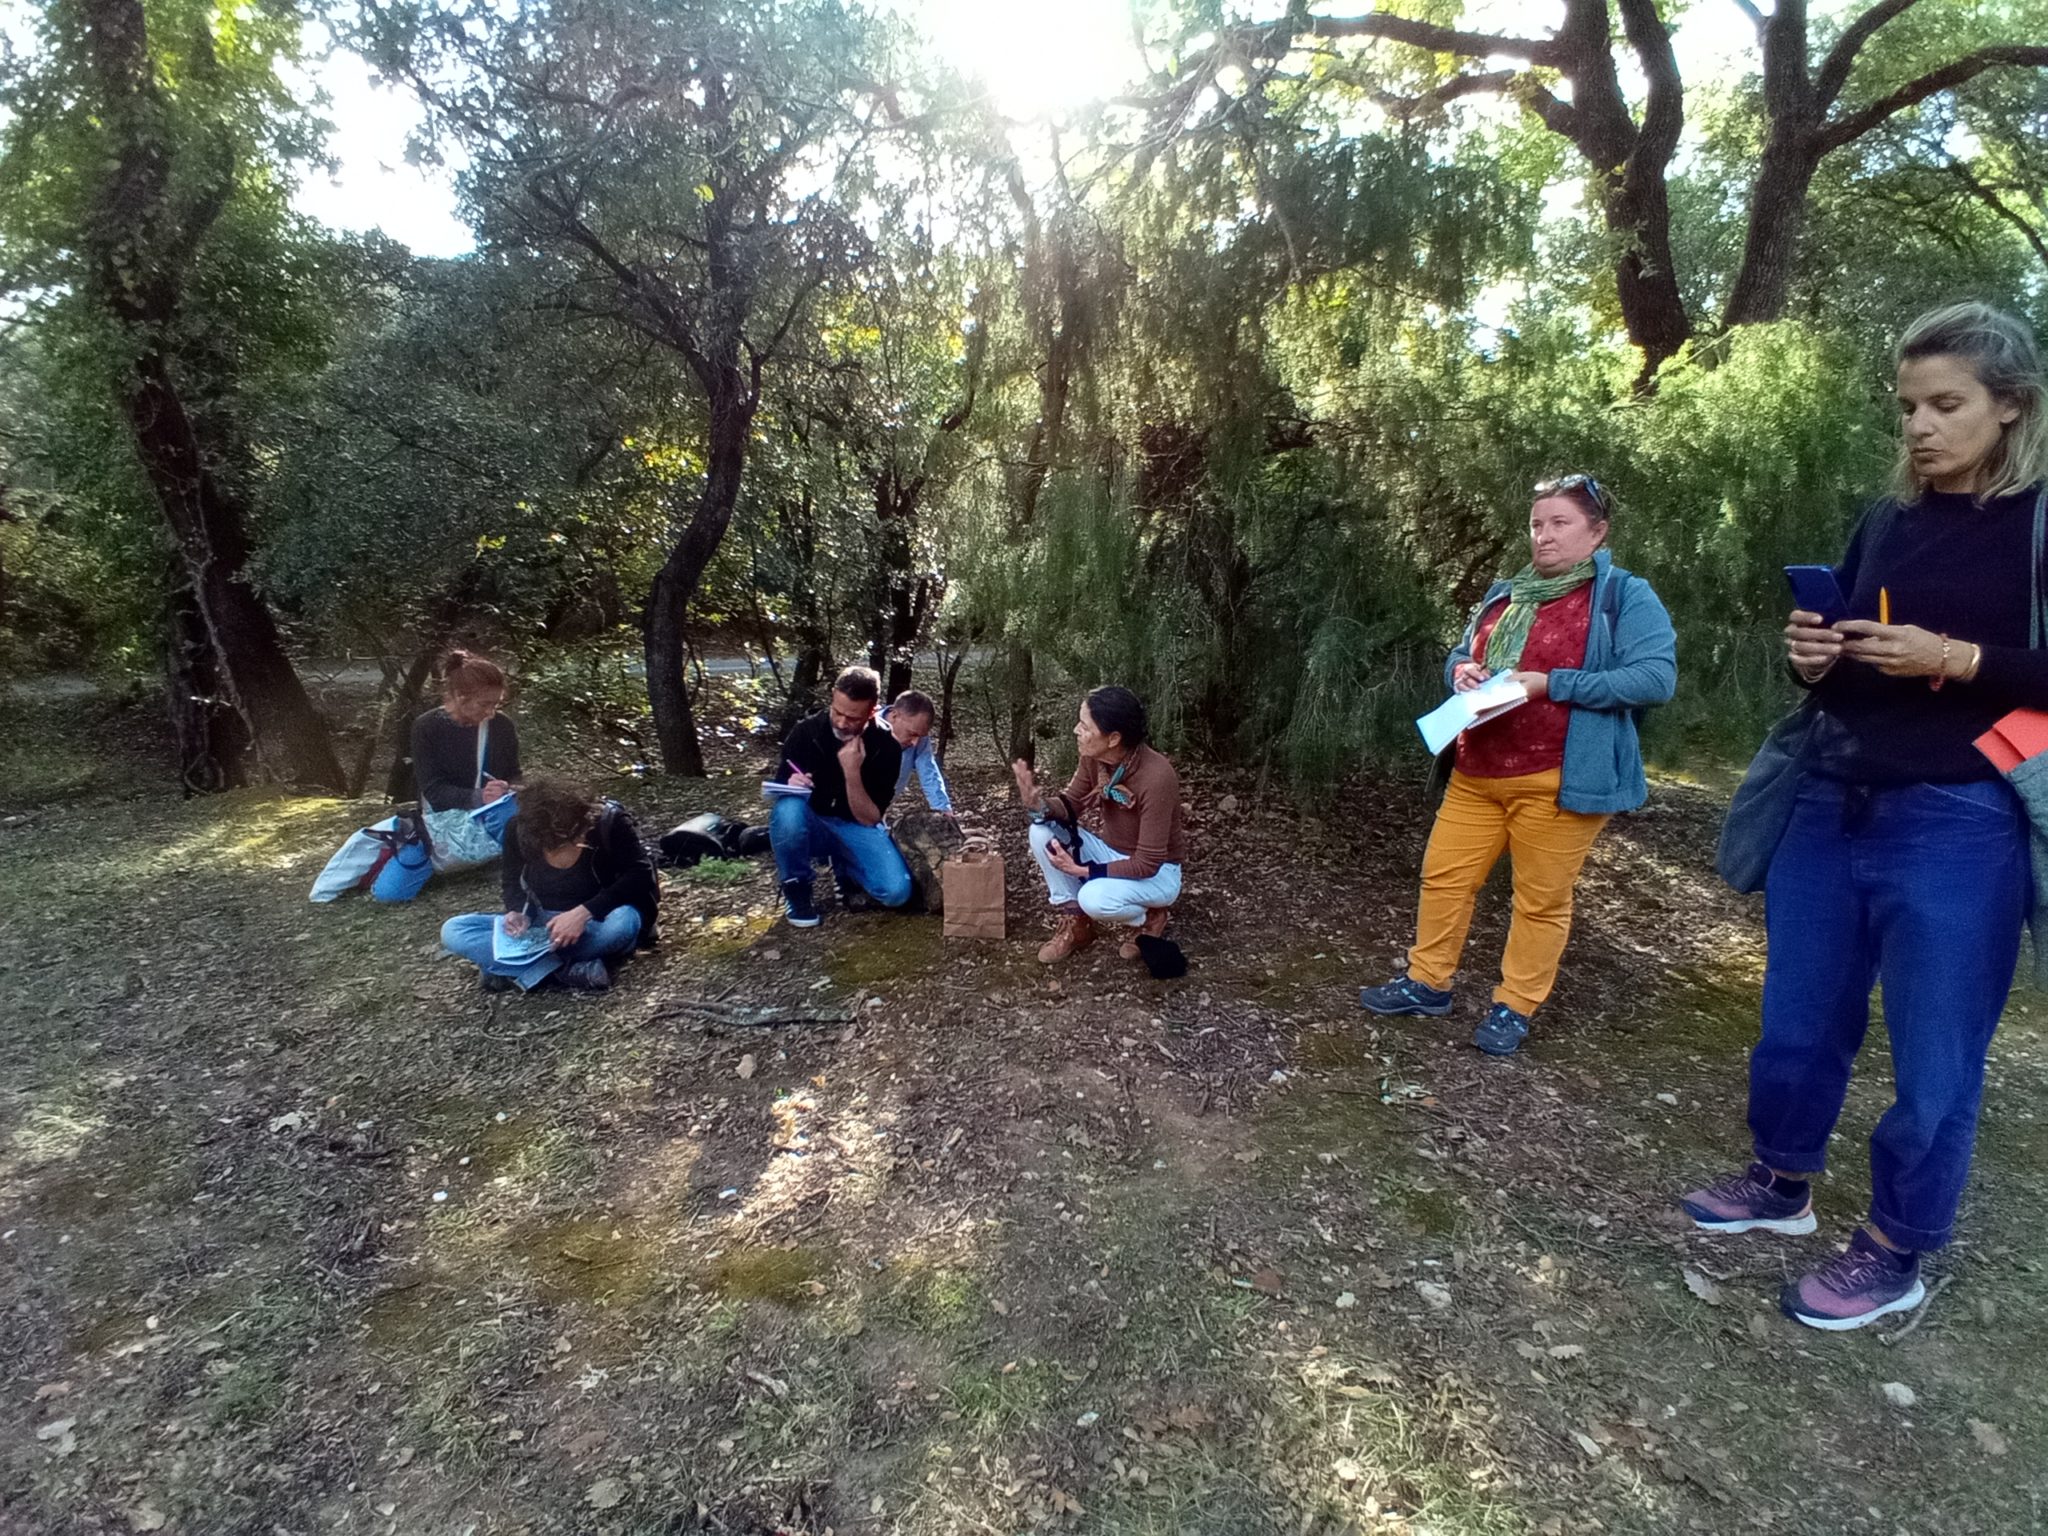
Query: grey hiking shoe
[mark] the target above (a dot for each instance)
(1404, 994)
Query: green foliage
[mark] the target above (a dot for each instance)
(1237, 402)
(464, 464)
(1731, 473)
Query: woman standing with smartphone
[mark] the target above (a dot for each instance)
(1906, 858)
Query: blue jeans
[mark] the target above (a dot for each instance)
(470, 937)
(1924, 888)
(865, 855)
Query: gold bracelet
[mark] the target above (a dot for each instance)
(1976, 663)
(1941, 672)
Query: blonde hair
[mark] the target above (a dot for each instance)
(2001, 350)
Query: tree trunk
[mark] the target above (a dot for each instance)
(904, 601)
(211, 742)
(256, 675)
(1020, 696)
(949, 677)
(1645, 277)
(400, 783)
(138, 238)
(675, 584)
(1630, 159)
(1777, 218)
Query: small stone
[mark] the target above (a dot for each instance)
(1668, 1098)
(1899, 1395)
(1346, 1302)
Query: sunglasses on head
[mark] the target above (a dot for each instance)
(1565, 484)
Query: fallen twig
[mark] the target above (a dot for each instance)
(744, 1016)
(1919, 1312)
(1545, 1239)
(517, 1035)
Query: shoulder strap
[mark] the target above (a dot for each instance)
(2037, 630)
(483, 749)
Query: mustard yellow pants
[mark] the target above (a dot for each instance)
(1547, 847)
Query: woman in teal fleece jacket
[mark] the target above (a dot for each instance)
(1593, 647)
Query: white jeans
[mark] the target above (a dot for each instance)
(1107, 900)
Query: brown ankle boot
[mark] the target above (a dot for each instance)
(1154, 924)
(1076, 931)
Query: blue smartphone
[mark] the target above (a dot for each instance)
(1815, 589)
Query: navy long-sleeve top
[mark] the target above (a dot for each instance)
(444, 759)
(1961, 569)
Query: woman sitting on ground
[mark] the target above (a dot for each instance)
(464, 755)
(1591, 645)
(577, 866)
(1091, 879)
(1906, 857)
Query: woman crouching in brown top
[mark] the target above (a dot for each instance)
(1092, 878)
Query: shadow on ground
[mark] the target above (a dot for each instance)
(303, 1233)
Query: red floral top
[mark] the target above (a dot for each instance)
(1530, 739)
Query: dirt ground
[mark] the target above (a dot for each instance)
(300, 1232)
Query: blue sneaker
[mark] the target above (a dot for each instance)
(1501, 1031)
(1404, 994)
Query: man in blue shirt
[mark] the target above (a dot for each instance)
(909, 719)
(925, 838)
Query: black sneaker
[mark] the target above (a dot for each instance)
(585, 976)
(493, 983)
(853, 899)
(798, 905)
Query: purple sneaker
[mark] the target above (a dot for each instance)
(1749, 1202)
(1864, 1282)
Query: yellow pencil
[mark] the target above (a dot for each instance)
(1884, 606)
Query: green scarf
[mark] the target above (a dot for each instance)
(1526, 593)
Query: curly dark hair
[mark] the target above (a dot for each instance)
(553, 813)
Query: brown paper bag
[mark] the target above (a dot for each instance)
(974, 895)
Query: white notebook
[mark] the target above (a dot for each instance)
(1461, 711)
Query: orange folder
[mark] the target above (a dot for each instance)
(2018, 737)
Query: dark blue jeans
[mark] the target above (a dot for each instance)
(1924, 888)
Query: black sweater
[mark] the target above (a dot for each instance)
(614, 872)
(1959, 569)
(444, 759)
(813, 746)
